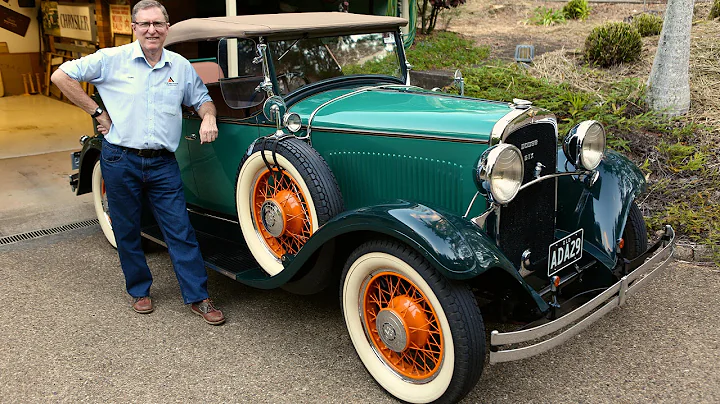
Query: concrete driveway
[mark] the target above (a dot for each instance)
(69, 334)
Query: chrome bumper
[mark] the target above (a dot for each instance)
(606, 301)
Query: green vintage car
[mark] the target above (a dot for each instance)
(427, 211)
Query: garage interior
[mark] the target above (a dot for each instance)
(39, 128)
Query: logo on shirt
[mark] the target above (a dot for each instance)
(171, 82)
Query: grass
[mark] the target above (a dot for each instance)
(683, 184)
(546, 16)
(445, 50)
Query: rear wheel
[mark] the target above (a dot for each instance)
(101, 204)
(635, 234)
(419, 335)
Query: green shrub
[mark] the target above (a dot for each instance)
(612, 44)
(715, 10)
(546, 16)
(648, 24)
(576, 10)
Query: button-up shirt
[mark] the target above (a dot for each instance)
(143, 101)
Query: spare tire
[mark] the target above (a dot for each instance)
(283, 199)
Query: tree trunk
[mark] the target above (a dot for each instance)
(669, 81)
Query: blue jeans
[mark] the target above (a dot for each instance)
(128, 178)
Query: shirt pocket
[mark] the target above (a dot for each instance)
(171, 100)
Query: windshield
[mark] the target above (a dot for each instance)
(299, 62)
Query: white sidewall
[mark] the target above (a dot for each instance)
(105, 224)
(243, 194)
(410, 392)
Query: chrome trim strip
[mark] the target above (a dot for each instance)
(404, 135)
(153, 239)
(467, 212)
(212, 216)
(623, 288)
(551, 176)
(350, 94)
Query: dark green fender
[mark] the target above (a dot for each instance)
(452, 244)
(602, 209)
(88, 155)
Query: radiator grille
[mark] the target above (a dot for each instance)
(528, 222)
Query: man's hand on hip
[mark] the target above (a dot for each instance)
(104, 123)
(208, 129)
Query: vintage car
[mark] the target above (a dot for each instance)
(427, 211)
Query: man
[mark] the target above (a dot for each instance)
(143, 86)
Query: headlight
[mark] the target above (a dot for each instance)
(501, 168)
(292, 121)
(584, 145)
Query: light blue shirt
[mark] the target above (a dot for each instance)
(143, 101)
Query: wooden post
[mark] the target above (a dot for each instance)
(37, 80)
(25, 84)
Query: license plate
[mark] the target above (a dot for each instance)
(75, 159)
(565, 251)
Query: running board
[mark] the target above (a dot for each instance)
(227, 256)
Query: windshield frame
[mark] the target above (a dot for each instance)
(276, 52)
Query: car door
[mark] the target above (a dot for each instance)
(238, 103)
(182, 154)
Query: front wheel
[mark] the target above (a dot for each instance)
(101, 204)
(419, 335)
(635, 234)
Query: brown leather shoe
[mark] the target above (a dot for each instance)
(209, 313)
(143, 305)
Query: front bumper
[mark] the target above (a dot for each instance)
(606, 301)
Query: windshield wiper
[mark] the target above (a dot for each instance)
(288, 49)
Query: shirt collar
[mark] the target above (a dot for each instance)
(138, 53)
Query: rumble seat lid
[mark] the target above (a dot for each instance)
(280, 26)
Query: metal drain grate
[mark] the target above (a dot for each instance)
(47, 232)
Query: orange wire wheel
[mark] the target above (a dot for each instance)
(403, 326)
(419, 334)
(280, 212)
(281, 206)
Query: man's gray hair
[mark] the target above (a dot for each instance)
(145, 4)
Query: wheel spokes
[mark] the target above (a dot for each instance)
(406, 310)
(283, 190)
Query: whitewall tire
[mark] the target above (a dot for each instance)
(279, 208)
(420, 336)
(101, 205)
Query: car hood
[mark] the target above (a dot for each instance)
(402, 110)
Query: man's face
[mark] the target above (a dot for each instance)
(150, 28)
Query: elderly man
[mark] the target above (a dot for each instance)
(143, 86)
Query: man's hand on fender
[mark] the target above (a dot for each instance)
(208, 129)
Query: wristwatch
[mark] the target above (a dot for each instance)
(97, 112)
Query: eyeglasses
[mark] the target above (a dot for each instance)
(144, 25)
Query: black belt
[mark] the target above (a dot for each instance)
(147, 152)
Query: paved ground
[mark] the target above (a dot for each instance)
(69, 335)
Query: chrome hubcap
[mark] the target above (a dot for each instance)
(272, 218)
(392, 330)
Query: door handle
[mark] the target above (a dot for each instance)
(192, 136)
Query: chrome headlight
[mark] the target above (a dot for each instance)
(584, 145)
(292, 122)
(500, 169)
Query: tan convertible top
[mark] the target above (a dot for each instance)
(281, 26)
